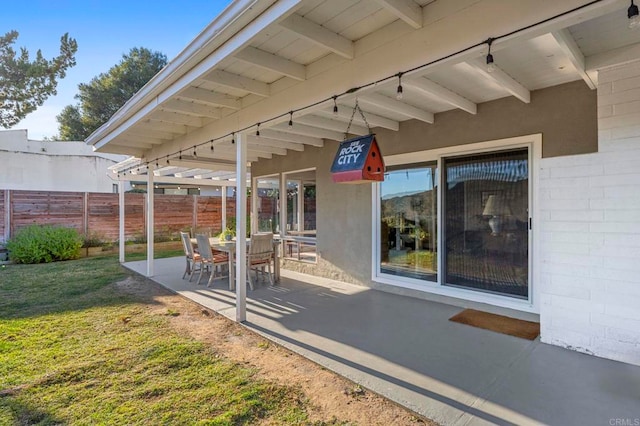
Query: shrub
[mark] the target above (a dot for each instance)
(93, 239)
(38, 244)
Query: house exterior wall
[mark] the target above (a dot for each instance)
(590, 269)
(565, 115)
(52, 165)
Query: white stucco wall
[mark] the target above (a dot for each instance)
(590, 252)
(52, 166)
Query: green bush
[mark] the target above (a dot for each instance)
(44, 244)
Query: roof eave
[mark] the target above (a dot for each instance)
(221, 29)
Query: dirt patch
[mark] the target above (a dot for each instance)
(331, 396)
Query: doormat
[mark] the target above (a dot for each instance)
(498, 323)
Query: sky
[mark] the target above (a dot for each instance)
(104, 30)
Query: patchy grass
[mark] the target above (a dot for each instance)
(74, 349)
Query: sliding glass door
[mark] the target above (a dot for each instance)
(483, 202)
(485, 215)
(408, 214)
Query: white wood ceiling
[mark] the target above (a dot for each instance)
(322, 33)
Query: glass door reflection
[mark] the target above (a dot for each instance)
(408, 213)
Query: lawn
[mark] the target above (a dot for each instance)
(76, 350)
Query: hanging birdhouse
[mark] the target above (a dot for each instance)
(358, 160)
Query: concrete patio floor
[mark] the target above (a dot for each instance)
(407, 350)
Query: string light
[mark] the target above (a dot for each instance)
(634, 16)
(233, 138)
(634, 22)
(335, 105)
(180, 157)
(491, 66)
(195, 154)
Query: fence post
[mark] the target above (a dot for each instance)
(7, 214)
(85, 213)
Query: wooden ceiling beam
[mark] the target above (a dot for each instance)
(319, 35)
(271, 62)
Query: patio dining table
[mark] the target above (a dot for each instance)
(229, 247)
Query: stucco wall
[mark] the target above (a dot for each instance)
(590, 207)
(565, 115)
(52, 166)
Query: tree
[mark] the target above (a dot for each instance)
(107, 92)
(25, 85)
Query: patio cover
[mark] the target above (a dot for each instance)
(266, 77)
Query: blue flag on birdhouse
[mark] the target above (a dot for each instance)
(358, 160)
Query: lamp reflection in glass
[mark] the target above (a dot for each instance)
(497, 208)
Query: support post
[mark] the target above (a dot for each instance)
(150, 227)
(254, 205)
(194, 218)
(121, 220)
(241, 228)
(223, 194)
(300, 206)
(283, 204)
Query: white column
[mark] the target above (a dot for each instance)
(121, 220)
(254, 205)
(283, 204)
(300, 205)
(150, 233)
(223, 194)
(241, 228)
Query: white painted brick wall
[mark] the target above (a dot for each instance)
(590, 231)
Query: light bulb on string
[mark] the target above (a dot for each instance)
(335, 106)
(399, 91)
(258, 130)
(634, 16)
(491, 66)
(180, 157)
(211, 145)
(167, 159)
(233, 138)
(195, 154)
(290, 119)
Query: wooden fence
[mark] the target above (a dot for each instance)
(96, 214)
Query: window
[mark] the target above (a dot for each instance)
(268, 199)
(300, 233)
(408, 216)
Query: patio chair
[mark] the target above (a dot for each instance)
(192, 257)
(210, 260)
(260, 255)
